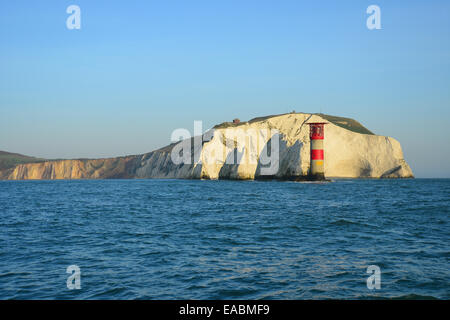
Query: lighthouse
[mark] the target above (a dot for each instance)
(316, 135)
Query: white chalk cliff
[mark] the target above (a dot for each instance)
(270, 147)
(348, 153)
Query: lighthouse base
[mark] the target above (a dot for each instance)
(316, 177)
(309, 177)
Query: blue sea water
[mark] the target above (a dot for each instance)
(187, 239)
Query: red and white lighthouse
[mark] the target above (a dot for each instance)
(317, 135)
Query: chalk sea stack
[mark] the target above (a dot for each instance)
(350, 150)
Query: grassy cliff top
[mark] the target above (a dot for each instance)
(10, 160)
(346, 123)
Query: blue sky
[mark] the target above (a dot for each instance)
(137, 70)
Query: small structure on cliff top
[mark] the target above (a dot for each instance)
(236, 121)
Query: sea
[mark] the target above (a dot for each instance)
(195, 239)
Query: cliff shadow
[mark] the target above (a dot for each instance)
(230, 168)
(285, 165)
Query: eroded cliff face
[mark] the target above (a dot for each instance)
(75, 169)
(274, 147)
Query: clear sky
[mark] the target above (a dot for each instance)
(137, 70)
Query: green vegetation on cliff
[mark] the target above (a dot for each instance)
(346, 123)
(10, 160)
